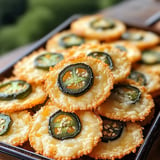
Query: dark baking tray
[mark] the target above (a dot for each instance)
(151, 132)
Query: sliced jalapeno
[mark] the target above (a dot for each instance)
(132, 36)
(112, 129)
(105, 57)
(150, 57)
(102, 24)
(70, 40)
(46, 60)
(5, 122)
(75, 79)
(138, 77)
(64, 125)
(121, 48)
(15, 89)
(126, 93)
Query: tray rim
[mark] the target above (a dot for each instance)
(19, 152)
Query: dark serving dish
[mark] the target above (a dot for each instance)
(151, 132)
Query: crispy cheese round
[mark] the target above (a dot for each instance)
(142, 39)
(120, 109)
(26, 69)
(82, 27)
(133, 53)
(130, 139)
(152, 80)
(150, 62)
(71, 148)
(121, 64)
(37, 96)
(99, 91)
(19, 129)
(54, 42)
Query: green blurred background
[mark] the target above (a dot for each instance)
(25, 21)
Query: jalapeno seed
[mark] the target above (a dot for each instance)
(102, 24)
(14, 89)
(150, 57)
(5, 122)
(132, 36)
(105, 57)
(126, 93)
(75, 79)
(70, 40)
(112, 129)
(138, 77)
(64, 125)
(46, 60)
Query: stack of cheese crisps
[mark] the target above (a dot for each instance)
(90, 91)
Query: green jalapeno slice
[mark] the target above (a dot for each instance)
(102, 24)
(14, 89)
(138, 77)
(46, 60)
(132, 36)
(5, 122)
(64, 125)
(112, 129)
(150, 57)
(75, 79)
(70, 40)
(105, 57)
(126, 93)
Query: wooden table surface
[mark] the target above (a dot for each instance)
(134, 12)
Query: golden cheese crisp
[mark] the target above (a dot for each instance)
(13, 99)
(140, 38)
(116, 59)
(79, 83)
(150, 60)
(128, 102)
(44, 143)
(19, 128)
(67, 39)
(98, 27)
(130, 139)
(33, 68)
(133, 53)
(150, 80)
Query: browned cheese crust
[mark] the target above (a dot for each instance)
(138, 111)
(66, 149)
(130, 139)
(19, 130)
(100, 90)
(82, 27)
